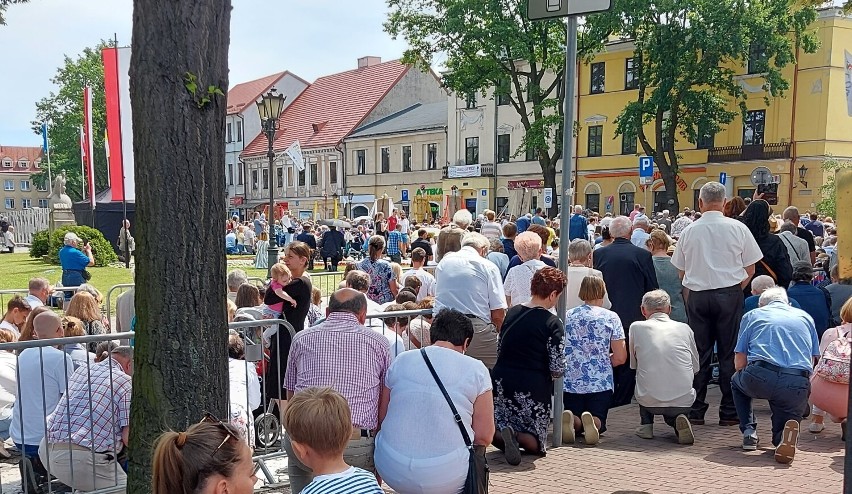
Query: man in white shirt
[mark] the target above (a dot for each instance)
(715, 256)
(427, 281)
(235, 278)
(39, 291)
(471, 284)
(406, 232)
(640, 235)
(17, 310)
(42, 381)
(665, 357)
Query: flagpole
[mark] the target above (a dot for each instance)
(47, 152)
(83, 161)
(123, 178)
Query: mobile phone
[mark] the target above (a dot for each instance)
(770, 193)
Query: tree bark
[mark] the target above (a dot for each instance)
(181, 344)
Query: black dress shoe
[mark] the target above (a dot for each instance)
(728, 422)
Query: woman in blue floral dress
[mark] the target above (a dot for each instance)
(594, 344)
(529, 358)
(383, 287)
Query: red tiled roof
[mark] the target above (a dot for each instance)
(330, 108)
(15, 153)
(247, 93)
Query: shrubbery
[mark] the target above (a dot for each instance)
(50, 244)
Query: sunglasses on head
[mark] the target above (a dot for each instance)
(212, 419)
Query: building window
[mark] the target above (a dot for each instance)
(26, 203)
(42, 203)
(706, 139)
(531, 154)
(432, 156)
(598, 74)
(239, 131)
(230, 174)
(314, 174)
(631, 74)
(753, 127)
(25, 185)
(289, 177)
(23, 163)
(279, 177)
(7, 163)
(593, 202)
(502, 92)
(301, 178)
(42, 187)
(361, 160)
(503, 148)
(628, 144)
(240, 167)
(8, 185)
(265, 178)
(406, 158)
(254, 179)
(626, 202)
(757, 58)
(228, 130)
(10, 203)
(332, 172)
(595, 140)
(385, 160)
(471, 151)
(470, 101)
(38, 164)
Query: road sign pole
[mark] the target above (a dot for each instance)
(566, 196)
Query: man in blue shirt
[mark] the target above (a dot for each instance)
(578, 226)
(538, 219)
(74, 261)
(759, 285)
(394, 248)
(774, 359)
(523, 223)
(231, 243)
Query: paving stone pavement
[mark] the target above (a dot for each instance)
(623, 463)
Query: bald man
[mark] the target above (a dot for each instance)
(342, 354)
(42, 373)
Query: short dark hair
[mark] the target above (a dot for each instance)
(355, 305)
(418, 254)
(510, 230)
(452, 326)
(358, 280)
(422, 232)
(406, 294)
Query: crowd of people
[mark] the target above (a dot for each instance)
(655, 305)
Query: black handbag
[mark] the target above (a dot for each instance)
(477, 470)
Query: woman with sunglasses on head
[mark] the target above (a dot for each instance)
(209, 458)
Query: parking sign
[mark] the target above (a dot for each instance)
(646, 166)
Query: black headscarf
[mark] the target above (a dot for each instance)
(756, 218)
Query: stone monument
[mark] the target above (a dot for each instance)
(61, 213)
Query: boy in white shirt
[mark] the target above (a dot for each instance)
(319, 423)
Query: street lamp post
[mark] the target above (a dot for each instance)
(349, 196)
(269, 109)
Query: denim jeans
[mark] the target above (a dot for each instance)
(787, 395)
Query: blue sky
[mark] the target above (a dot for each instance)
(311, 38)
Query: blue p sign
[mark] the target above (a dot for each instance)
(646, 166)
(723, 177)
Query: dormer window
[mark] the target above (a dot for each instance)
(38, 163)
(23, 163)
(7, 163)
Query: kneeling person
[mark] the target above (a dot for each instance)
(665, 357)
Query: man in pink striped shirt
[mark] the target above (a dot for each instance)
(342, 354)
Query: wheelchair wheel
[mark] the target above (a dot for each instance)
(267, 429)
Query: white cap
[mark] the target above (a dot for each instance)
(72, 237)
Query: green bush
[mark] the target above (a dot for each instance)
(101, 248)
(40, 245)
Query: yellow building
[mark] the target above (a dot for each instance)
(787, 140)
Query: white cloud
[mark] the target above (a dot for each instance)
(308, 38)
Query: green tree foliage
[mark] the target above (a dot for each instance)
(40, 245)
(49, 244)
(828, 192)
(487, 44)
(64, 110)
(689, 54)
(4, 4)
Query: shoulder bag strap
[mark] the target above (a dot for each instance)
(456, 415)
(769, 270)
(784, 238)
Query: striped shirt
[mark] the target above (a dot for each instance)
(342, 354)
(351, 481)
(491, 229)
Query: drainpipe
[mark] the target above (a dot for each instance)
(341, 177)
(496, 152)
(793, 150)
(576, 167)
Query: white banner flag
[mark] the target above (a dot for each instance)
(848, 60)
(295, 154)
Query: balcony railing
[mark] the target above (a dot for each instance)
(486, 170)
(770, 151)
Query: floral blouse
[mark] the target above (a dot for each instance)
(589, 332)
(381, 274)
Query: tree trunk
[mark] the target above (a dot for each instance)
(548, 170)
(181, 343)
(669, 179)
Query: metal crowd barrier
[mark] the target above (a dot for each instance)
(327, 282)
(6, 295)
(108, 300)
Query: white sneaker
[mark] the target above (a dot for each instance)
(568, 436)
(590, 430)
(816, 427)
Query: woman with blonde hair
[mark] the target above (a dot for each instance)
(71, 326)
(668, 276)
(209, 458)
(85, 307)
(518, 280)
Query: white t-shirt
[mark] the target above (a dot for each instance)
(244, 384)
(353, 480)
(11, 327)
(33, 301)
(406, 226)
(469, 283)
(519, 280)
(8, 383)
(57, 366)
(396, 345)
(414, 395)
(427, 282)
(664, 355)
